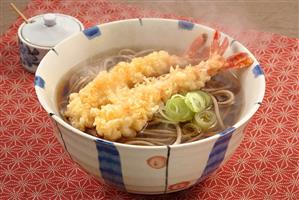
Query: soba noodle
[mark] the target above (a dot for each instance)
(224, 90)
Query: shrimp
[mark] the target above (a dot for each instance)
(125, 75)
(133, 108)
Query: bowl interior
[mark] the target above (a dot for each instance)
(137, 33)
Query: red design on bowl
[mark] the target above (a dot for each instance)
(179, 186)
(157, 162)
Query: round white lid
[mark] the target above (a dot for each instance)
(49, 29)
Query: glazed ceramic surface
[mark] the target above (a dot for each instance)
(138, 169)
(43, 33)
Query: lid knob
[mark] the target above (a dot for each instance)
(49, 19)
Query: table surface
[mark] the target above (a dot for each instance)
(33, 165)
(279, 16)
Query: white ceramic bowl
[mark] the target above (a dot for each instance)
(137, 169)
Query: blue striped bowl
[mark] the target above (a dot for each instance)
(137, 169)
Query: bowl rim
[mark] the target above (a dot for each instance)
(238, 124)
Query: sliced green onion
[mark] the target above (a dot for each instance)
(206, 96)
(181, 108)
(195, 102)
(205, 120)
(198, 101)
(176, 109)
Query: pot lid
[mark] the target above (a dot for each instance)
(47, 30)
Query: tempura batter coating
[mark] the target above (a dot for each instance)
(124, 75)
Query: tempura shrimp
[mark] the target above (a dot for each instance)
(133, 108)
(125, 75)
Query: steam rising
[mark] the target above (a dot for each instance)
(263, 15)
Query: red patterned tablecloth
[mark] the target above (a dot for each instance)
(33, 165)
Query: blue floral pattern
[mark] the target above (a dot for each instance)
(28, 56)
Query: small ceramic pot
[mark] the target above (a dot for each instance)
(42, 34)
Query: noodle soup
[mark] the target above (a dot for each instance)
(149, 167)
(224, 88)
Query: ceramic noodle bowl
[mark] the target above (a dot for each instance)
(143, 169)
